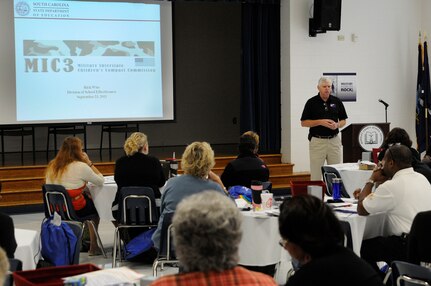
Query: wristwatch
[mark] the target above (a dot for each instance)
(370, 181)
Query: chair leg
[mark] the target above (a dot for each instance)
(101, 143)
(2, 147)
(33, 144)
(22, 146)
(47, 147)
(155, 266)
(99, 241)
(110, 145)
(114, 251)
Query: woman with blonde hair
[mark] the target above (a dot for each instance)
(197, 162)
(73, 169)
(137, 168)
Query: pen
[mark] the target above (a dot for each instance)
(345, 211)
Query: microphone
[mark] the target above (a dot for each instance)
(383, 102)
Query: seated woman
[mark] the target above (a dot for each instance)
(400, 136)
(137, 168)
(206, 238)
(247, 166)
(312, 235)
(197, 161)
(72, 169)
(7, 235)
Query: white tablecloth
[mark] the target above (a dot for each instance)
(352, 177)
(27, 251)
(363, 227)
(103, 198)
(259, 244)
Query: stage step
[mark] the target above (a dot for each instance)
(21, 185)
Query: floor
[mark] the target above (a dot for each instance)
(33, 221)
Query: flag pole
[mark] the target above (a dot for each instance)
(426, 95)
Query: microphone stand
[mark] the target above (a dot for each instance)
(386, 113)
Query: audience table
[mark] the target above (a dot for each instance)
(28, 249)
(104, 196)
(259, 244)
(352, 177)
(363, 227)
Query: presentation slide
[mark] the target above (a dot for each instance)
(83, 61)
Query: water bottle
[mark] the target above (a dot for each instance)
(336, 189)
(256, 191)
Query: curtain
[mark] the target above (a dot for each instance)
(260, 73)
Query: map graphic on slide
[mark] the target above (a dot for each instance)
(89, 48)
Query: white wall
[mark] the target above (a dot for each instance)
(384, 57)
(426, 17)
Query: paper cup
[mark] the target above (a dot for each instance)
(267, 199)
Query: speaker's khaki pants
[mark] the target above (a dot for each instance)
(321, 150)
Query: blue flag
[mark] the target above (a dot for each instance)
(423, 92)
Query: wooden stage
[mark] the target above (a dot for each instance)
(21, 184)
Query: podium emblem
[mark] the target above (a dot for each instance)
(370, 136)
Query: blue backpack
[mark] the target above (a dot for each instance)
(58, 243)
(139, 244)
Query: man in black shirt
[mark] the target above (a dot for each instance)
(324, 114)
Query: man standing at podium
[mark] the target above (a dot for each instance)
(324, 114)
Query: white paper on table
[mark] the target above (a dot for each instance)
(109, 180)
(109, 276)
(241, 203)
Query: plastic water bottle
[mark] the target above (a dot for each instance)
(336, 189)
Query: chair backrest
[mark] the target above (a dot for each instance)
(348, 241)
(77, 228)
(300, 187)
(376, 152)
(167, 248)
(14, 265)
(267, 186)
(56, 199)
(137, 206)
(404, 273)
(328, 174)
(419, 246)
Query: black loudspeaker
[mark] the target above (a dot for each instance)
(327, 15)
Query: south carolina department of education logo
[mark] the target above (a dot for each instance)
(370, 136)
(22, 8)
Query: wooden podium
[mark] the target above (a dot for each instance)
(359, 135)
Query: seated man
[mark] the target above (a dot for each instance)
(312, 235)
(207, 234)
(247, 166)
(399, 136)
(401, 193)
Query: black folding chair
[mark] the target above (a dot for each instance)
(330, 173)
(407, 274)
(14, 265)
(419, 246)
(78, 229)
(166, 253)
(348, 241)
(56, 199)
(115, 127)
(137, 209)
